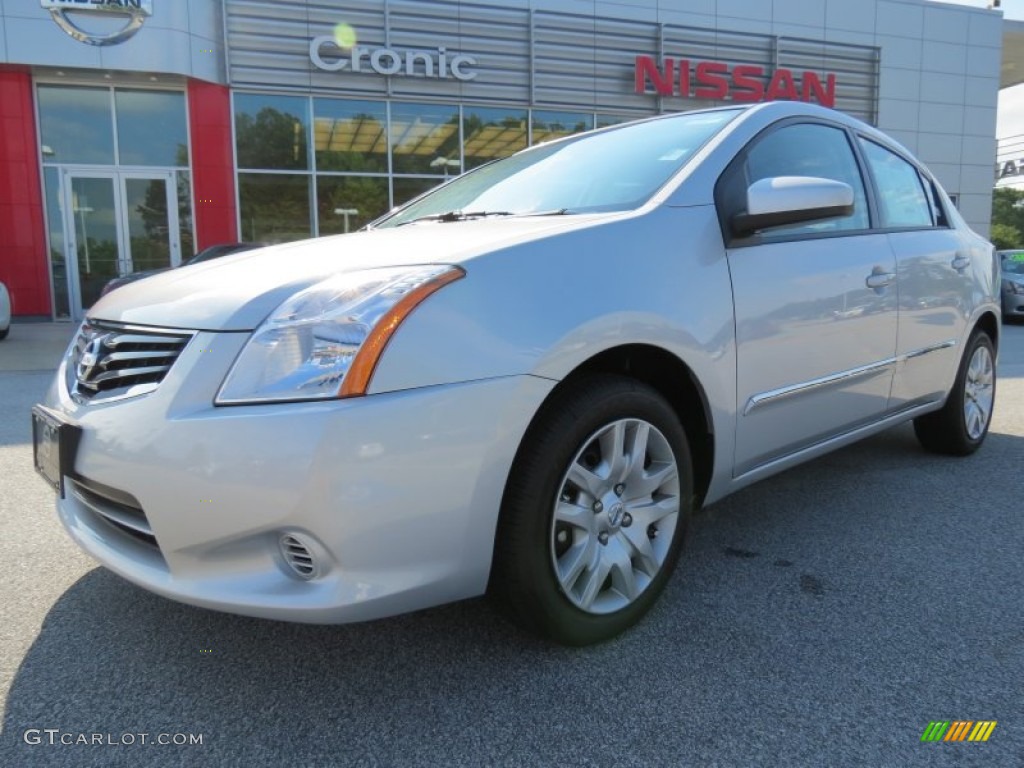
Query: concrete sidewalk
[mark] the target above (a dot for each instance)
(35, 346)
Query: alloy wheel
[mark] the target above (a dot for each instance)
(617, 509)
(979, 390)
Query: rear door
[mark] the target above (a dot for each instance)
(934, 277)
(815, 304)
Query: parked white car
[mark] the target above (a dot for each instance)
(526, 380)
(5, 311)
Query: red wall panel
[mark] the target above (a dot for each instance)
(213, 169)
(23, 266)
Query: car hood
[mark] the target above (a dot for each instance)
(237, 292)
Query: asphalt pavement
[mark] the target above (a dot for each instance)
(823, 617)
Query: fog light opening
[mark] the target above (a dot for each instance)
(298, 557)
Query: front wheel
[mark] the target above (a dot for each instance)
(595, 511)
(960, 427)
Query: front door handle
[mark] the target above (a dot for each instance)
(960, 263)
(878, 279)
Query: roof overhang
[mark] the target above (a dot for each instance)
(1012, 70)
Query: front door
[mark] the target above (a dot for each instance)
(816, 311)
(117, 223)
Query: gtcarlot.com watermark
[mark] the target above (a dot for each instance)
(55, 737)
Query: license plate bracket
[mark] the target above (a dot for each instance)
(54, 444)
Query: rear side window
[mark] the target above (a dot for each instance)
(902, 197)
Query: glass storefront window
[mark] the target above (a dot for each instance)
(554, 125)
(346, 203)
(148, 223)
(350, 136)
(406, 189)
(274, 207)
(188, 246)
(272, 132)
(603, 121)
(55, 224)
(425, 139)
(76, 125)
(492, 133)
(151, 128)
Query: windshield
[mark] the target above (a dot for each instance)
(1014, 267)
(614, 170)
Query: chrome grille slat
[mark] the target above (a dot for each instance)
(110, 361)
(127, 338)
(117, 357)
(124, 373)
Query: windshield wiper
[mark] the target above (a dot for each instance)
(453, 216)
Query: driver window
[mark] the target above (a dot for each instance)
(810, 149)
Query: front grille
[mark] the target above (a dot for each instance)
(116, 509)
(109, 361)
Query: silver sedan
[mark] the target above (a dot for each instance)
(1013, 284)
(524, 381)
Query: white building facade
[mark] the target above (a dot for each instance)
(277, 120)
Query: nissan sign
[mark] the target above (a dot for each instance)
(745, 82)
(134, 12)
(437, 63)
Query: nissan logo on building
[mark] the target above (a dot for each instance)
(134, 13)
(437, 63)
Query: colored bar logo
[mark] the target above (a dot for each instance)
(958, 730)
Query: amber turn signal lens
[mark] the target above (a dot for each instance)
(357, 378)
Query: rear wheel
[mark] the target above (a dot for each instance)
(960, 427)
(595, 512)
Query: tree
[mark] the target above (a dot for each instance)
(1008, 211)
(1004, 237)
(271, 139)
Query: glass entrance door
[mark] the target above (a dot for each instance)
(117, 223)
(151, 221)
(95, 247)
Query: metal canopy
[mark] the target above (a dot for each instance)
(1012, 70)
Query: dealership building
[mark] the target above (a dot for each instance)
(136, 132)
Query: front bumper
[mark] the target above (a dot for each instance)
(397, 494)
(1013, 304)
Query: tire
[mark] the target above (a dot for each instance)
(960, 427)
(588, 537)
(4, 332)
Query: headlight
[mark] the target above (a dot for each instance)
(1013, 286)
(325, 341)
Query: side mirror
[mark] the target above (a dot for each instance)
(792, 200)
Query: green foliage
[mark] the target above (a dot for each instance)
(1007, 217)
(1004, 237)
(271, 139)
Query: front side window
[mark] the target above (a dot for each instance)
(616, 170)
(902, 199)
(810, 149)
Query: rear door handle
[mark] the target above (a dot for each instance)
(879, 279)
(960, 263)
